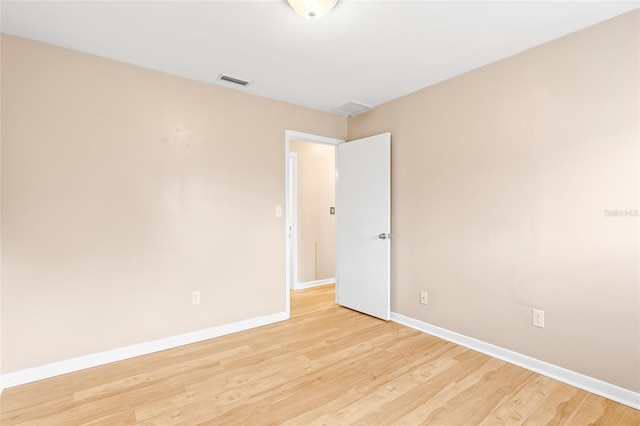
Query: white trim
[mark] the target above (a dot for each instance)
(336, 249)
(1, 385)
(291, 135)
(590, 384)
(292, 217)
(309, 284)
(80, 363)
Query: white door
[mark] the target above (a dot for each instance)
(363, 227)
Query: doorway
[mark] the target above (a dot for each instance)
(309, 259)
(312, 222)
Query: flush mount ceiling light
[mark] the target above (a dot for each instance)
(312, 9)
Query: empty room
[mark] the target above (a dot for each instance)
(313, 212)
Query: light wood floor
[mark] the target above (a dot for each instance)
(327, 365)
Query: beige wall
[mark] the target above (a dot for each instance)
(316, 194)
(1, 370)
(123, 190)
(501, 178)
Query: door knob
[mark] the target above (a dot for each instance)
(383, 236)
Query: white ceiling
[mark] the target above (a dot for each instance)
(364, 51)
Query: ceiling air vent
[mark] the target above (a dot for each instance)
(351, 108)
(234, 80)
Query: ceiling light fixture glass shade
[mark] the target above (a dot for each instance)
(312, 9)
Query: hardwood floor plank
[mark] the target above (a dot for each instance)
(442, 398)
(327, 365)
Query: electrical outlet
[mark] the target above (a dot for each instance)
(537, 318)
(195, 297)
(423, 297)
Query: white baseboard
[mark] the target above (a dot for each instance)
(598, 387)
(80, 363)
(309, 284)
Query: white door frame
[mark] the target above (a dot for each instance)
(292, 218)
(290, 135)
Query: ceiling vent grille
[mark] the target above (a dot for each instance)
(351, 108)
(234, 80)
